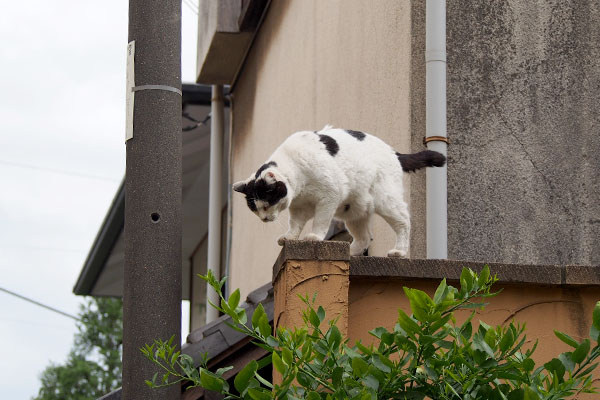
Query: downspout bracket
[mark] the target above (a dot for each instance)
(428, 139)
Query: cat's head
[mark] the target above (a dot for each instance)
(266, 192)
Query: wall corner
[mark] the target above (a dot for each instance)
(306, 268)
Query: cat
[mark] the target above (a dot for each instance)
(336, 173)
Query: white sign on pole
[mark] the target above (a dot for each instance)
(129, 98)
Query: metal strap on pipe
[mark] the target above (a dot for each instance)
(428, 139)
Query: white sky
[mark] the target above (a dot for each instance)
(62, 107)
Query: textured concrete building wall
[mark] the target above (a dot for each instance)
(347, 63)
(524, 123)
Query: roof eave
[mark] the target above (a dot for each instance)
(103, 244)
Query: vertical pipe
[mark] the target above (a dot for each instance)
(437, 190)
(152, 274)
(215, 196)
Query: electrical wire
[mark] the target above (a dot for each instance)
(37, 303)
(197, 123)
(57, 171)
(42, 248)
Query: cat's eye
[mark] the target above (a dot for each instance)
(265, 208)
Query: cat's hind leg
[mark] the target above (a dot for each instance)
(395, 213)
(298, 218)
(361, 235)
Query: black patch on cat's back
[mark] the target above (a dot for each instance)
(265, 166)
(331, 145)
(360, 136)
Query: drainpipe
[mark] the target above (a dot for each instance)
(215, 198)
(436, 136)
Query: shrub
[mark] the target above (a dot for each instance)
(426, 355)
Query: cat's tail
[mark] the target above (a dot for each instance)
(422, 159)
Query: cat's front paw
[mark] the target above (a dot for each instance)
(284, 238)
(397, 253)
(312, 236)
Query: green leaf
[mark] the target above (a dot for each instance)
(336, 376)
(221, 371)
(440, 292)
(314, 318)
(258, 313)
(242, 379)
(466, 280)
(483, 276)
(210, 381)
(530, 394)
(312, 395)
(321, 314)
(466, 330)
(480, 344)
(567, 360)
(234, 299)
(420, 303)
(271, 341)
(528, 364)
(556, 366)
(378, 363)
(596, 316)
(566, 339)
(490, 338)
(241, 315)
(174, 357)
(335, 337)
(263, 380)
(264, 326)
(371, 382)
(595, 330)
(259, 394)
(359, 367)
(507, 341)
(279, 364)
(287, 356)
(304, 380)
(222, 281)
(408, 324)
(581, 351)
(587, 370)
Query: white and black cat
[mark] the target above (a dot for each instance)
(339, 173)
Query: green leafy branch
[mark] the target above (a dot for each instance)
(426, 355)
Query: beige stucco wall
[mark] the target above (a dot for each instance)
(346, 63)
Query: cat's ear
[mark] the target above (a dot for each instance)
(270, 178)
(240, 187)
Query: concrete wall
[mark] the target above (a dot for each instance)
(524, 125)
(366, 293)
(347, 63)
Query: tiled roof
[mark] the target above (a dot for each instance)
(222, 343)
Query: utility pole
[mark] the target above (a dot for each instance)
(152, 275)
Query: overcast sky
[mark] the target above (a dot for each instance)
(62, 157)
